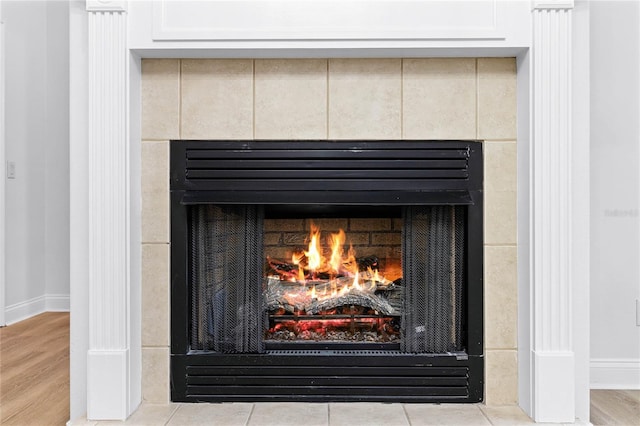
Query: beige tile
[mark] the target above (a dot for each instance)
(445, 414)
(500, 217)
(227, 414)
(160, 88)
(155, 375)
(501, 297)
(155, 294)
(217, 99)
(155, 192)
(367, 414)
(501, 377)
(439, 98)
(509, 415)
(365, 98)
(500, 166)
(289, 414)
(497, 98)
(149, 415)
(82, 421)
(291, 99)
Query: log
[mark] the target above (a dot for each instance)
(295, 297)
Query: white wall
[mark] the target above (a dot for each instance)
(36, 131)
(615, 178)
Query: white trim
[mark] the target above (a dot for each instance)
(106, 5)
(552, 316)
(107, 384)
(25, 309)
(37, 305)
(3, 177)
(109, 379)
(327, 20)
(57, 303)
(615, 373)
(552, 4)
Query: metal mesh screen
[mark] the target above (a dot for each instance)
(433, 257)
(226, 247)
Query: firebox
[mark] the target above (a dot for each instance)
(326, 271)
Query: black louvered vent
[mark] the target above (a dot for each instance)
(381, 172)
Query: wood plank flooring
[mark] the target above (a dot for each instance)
(615, 407)
(34, 371)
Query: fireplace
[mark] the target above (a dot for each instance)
(326, 271)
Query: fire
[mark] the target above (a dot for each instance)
(337, 243)
(314, 256)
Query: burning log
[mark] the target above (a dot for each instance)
(319, 297)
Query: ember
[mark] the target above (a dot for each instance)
(322, 296)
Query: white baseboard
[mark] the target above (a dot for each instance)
(615, 373)
(57, 303)
(32, 307)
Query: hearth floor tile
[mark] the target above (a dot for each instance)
(227, 414)
(367, 414)
(312, 414)
(445, 414)
(289, 414)
(510, 415)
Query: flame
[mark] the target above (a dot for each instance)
(314, 255)
(337, 243)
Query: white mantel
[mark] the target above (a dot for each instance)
(114, 35)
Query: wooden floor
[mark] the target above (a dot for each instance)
(34, 371)
(615, 407)
(34, 378)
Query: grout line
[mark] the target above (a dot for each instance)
(253, 110)
(406, 415)
(327, 103)
(477, 98)
(401, 98)
(329, 413)
(484, 414)
(173, 413)
(253, 405)
(156, 243)
(180, 99)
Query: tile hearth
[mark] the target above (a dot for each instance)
(312, 414)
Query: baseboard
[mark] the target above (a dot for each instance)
(23, 310)
(32, 307)
(57, 303)
(615, 373)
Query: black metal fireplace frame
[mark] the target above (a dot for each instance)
(276, 172)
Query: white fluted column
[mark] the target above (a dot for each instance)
(553, 393)
(108, 362)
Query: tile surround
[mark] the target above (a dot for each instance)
(160, 89)
(155, 192)
(439, 98)
(497, 98)
(364, 99)
(217, 99)
(291, 99)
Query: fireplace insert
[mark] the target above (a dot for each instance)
(326, 271)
